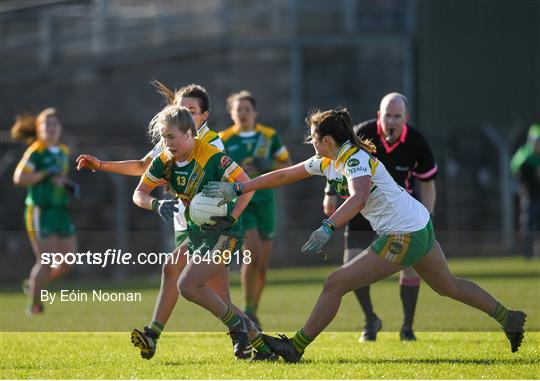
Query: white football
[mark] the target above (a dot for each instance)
(202, 208)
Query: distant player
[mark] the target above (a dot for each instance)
(407, 157)
(405, 233)
(525, 166)
(187, 165)
(43, 169)
(258, 150)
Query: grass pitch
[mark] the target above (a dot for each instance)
(454, 341)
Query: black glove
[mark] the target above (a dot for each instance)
(165, 208)
(73, 188)
(263, 164)
(222, 223)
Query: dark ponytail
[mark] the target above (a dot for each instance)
(338, 124)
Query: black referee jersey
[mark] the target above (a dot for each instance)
(409, 158)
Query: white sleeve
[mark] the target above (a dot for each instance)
(313, 166)
(358, 165)
(155, 151)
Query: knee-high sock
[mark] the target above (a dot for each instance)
(362, 295)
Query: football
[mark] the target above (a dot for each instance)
(202, 208)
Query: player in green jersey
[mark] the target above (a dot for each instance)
(43, 169)
(258, 150)
(195, 98)
(187, 164)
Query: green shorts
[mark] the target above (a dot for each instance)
(219, 247)
(41, 222)
(405, 249)
(261, 216)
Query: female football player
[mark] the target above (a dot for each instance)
(187, 165)
(258, 150)
(405, 234)
(196, 99)
(43, 169)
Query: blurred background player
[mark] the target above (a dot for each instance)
(407, 156)
(525, 166)
(258, 149)
(43, 169)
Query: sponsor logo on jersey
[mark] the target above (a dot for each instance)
(353, 162)
(225, 162)
(352, 171)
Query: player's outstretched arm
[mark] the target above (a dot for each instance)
(274, 179)
(244, 199)
(126, 167)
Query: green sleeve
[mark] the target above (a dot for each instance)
(156, 170)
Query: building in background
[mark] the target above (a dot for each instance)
(463, 65)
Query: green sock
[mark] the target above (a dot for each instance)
(156, 327)
(500, 314)
(230, 319)
(301, 341)
(259, 344)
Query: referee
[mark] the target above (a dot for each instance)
(407, 157)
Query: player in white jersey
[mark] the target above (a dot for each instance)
(196, 100)
(405, 234)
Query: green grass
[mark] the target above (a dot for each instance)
(455, 341)
(207, 356)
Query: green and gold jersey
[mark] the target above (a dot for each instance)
(39, 157)
(206, 163)
(243, 147)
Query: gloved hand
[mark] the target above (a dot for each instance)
(165, 208)
(226, 191)
(263, 164)
(73, 188)
(222, 223)
(319, 238)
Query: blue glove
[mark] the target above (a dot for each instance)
(226, 191)
(165, 208)
(319, 238)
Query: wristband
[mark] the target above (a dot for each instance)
(329, 224)
(238, 188)
(154, 204)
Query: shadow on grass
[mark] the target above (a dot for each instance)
(431, 361)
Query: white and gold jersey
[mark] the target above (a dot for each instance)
(389, 208)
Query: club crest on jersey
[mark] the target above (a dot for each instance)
(395, 248)
(225, 162)
(353, 162)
